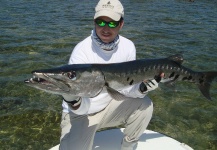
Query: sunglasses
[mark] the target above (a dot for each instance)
(111, 24)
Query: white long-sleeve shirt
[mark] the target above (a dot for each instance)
(88, 52)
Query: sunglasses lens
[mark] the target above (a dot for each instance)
(113, 24)
(100, 23)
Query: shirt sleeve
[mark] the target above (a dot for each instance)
(133, 91)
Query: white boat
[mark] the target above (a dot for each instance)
(150, 140)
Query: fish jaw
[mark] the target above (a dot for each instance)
(44, 82)
(77, 83)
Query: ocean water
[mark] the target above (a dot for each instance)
(41, 34)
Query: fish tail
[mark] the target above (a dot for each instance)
(205, 83)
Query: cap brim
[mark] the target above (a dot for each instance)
(114, 16)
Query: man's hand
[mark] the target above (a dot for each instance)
(150, 85)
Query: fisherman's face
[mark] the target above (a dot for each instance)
(106, 33)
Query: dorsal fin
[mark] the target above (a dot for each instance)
(177, 58)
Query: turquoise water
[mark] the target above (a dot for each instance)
(42, 34)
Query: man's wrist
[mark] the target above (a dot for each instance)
(75, 103)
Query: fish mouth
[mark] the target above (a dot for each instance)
(47, 82)
(38, 78)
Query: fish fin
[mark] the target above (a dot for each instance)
(116, 95)
(178, 58)
(205, 85)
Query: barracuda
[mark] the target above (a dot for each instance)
(88, 80)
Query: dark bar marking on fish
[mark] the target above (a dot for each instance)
(201, 81)
(190, 77)
(128, 78)
(131, 82)
(145, 69)
(176, 77)
(172, 74)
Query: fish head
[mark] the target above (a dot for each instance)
(78, 80)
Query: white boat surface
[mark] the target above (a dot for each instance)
(150, 140)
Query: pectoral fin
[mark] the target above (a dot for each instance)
(117, 95)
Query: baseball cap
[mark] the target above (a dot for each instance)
(109, 8)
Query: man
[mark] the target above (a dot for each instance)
(83, 116)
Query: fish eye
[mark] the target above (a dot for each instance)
(71, 75)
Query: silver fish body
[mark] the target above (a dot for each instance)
(88, 80)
